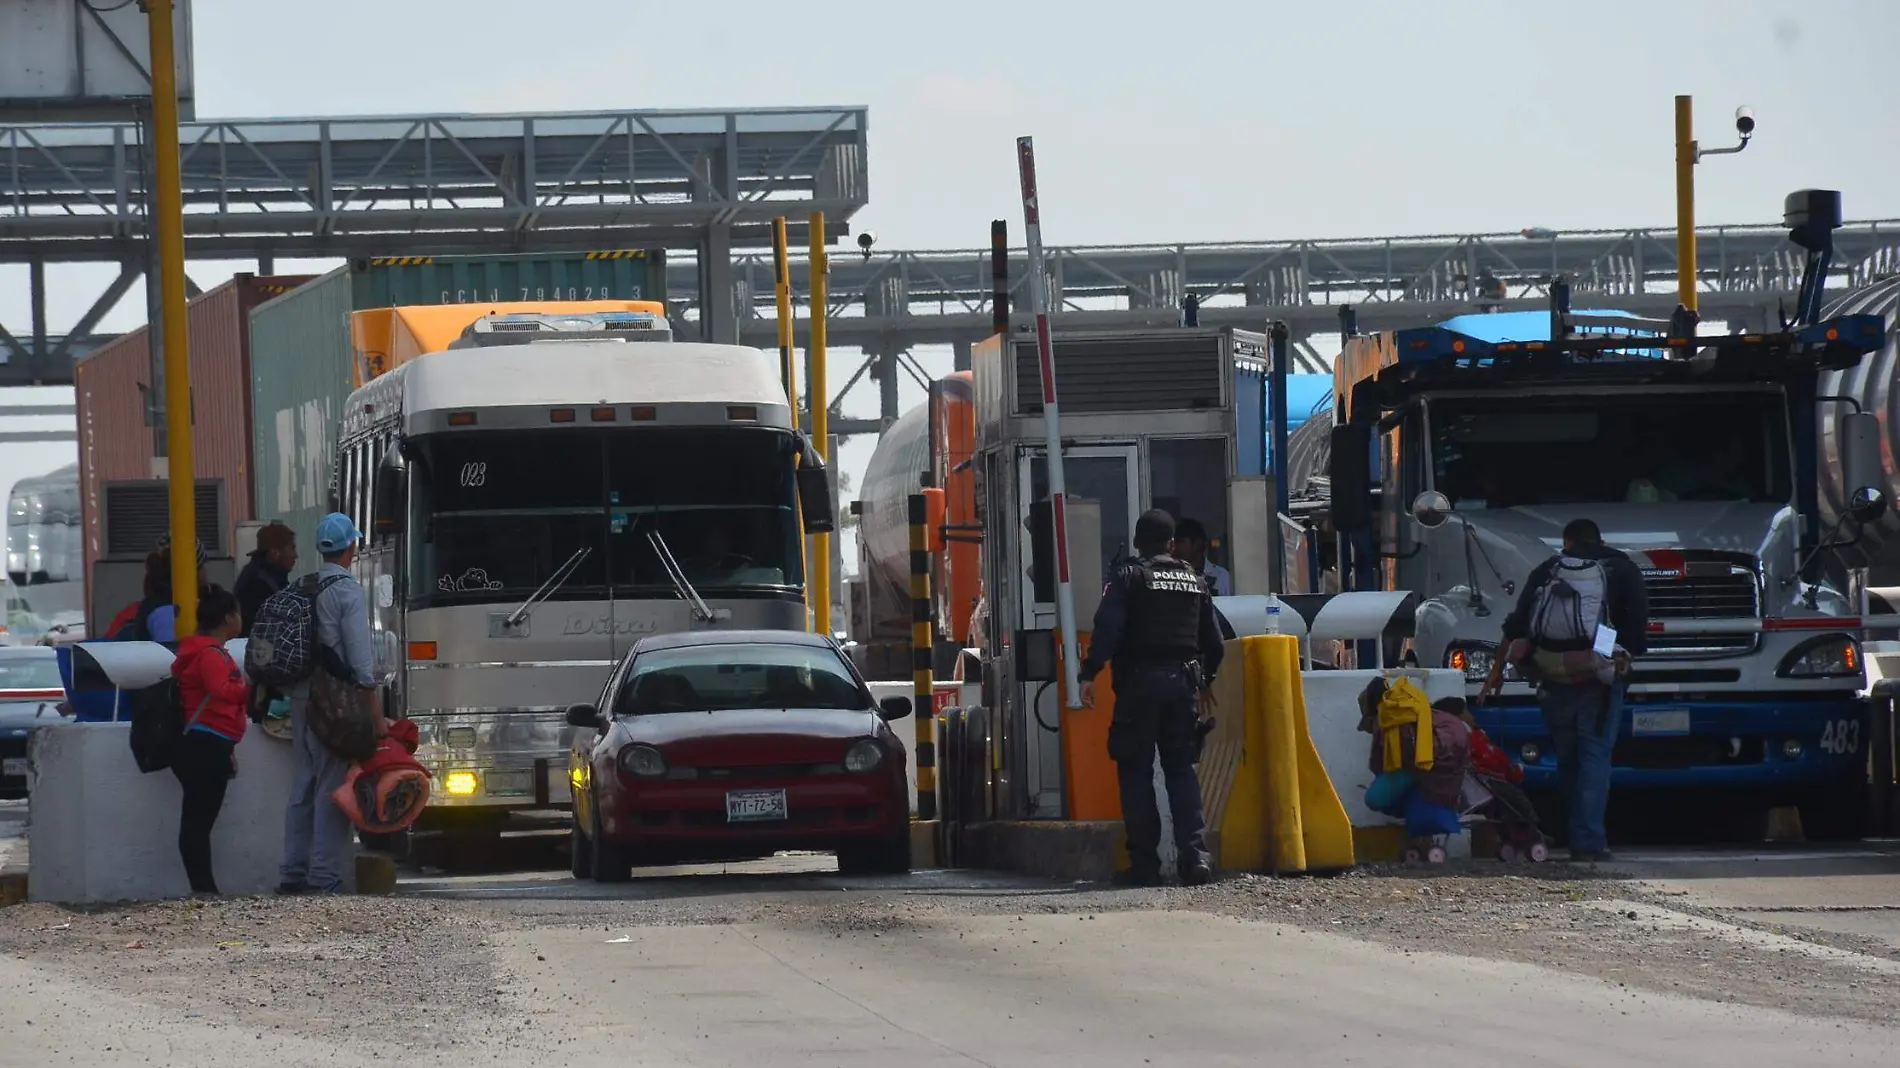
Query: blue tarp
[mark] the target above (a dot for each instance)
(1526, 325)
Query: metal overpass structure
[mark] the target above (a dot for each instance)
(263, 189)
(886, 303)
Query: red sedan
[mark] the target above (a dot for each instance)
(721, 745)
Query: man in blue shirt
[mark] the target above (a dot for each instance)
(316, 832)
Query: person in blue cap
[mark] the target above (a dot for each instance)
(316, 832)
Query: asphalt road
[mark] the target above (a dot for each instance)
(784, 962)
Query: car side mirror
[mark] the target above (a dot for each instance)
(583, 716)
(893, 708)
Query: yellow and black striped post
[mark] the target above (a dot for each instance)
(923, 641)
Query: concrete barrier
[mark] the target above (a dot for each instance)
(103, 831)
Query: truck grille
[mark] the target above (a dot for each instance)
(1715, 589)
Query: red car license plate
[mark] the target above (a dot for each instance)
(749, 806)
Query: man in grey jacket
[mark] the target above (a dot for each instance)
(316, 832)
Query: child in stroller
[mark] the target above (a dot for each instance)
(1499, 799)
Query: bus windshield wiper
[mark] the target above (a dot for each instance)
(678, 576)
(561, 574)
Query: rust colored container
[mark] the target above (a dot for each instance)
(111, 392)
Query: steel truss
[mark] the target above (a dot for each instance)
(433, 185)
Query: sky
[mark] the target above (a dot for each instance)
(1216, 121)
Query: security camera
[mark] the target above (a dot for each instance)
(865, 241)
(1745, 122)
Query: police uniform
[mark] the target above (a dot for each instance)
(1156, 625)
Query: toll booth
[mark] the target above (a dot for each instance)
(1148, 421)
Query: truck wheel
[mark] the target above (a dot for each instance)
(888, 857)
(612, 864)
(1839, 815)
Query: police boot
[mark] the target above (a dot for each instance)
(1195, 870)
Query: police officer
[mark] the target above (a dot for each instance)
(1156, 625)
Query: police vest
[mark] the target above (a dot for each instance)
(1164, 608)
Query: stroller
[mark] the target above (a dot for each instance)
(1507, 810)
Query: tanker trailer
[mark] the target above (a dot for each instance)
(1870, 387)
(926, 450)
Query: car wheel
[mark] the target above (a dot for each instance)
(888, 857)
(580, 854)
(611, 862)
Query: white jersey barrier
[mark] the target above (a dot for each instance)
(1332, 697)
(103, 831)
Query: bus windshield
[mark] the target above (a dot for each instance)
(497, 513)
(1593, 448)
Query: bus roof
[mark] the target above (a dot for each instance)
(689, 383)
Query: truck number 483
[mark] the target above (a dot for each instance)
(1841, 737)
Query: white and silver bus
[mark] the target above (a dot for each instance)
(539, 497)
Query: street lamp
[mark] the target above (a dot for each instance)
(1688, 154)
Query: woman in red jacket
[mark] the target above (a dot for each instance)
(213, 693)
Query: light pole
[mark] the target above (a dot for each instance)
(1688, 154)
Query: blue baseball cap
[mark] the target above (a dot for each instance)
(335, 533)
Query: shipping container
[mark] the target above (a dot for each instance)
(310, 352)
(393, 281)
(121, 492)
(418, 329)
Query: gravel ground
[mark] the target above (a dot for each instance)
(419, 971)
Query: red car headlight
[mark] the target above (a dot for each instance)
(863, 756)
(642, 762)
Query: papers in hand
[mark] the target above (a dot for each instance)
(1606, 641)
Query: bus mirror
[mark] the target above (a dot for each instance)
(391, 482)
(1861, 464)
(814, 499)
(1350, 465)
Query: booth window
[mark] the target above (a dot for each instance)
(1187, 478)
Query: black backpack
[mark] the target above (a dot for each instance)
(282, 650)
(158, 722)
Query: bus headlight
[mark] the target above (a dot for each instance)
(1831, 656)
(642, 762)
(863, 756)
(1475, 660)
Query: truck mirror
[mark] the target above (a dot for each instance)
(1861, 465)
(1350, 465)
(1866, 504)
(392, 483)
(814, 499)
(1431, 509)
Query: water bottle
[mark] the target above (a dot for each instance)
(1273, 619)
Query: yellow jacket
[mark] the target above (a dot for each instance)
(1404, 705)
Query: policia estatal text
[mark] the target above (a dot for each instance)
(1156, 625)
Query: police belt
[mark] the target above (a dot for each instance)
(1186, 661)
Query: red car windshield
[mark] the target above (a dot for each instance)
(29, 673)
(709, 678)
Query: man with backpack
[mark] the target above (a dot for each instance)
(312, 639)
(1582, 617)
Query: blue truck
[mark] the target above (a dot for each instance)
(1458, 452)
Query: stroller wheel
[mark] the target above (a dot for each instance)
(1539, 853)
(1436, 856)
(1411, 856)
(1507, 852)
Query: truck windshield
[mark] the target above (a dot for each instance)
(1584, 448)
(496, 513)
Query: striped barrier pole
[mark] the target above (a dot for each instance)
(922, 643)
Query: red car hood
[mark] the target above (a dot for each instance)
(749, 736)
